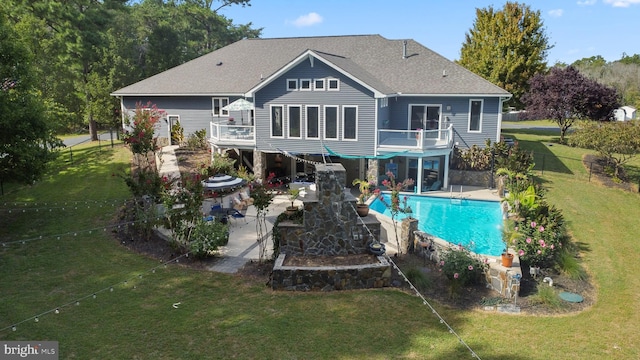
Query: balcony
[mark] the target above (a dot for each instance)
(415, 140)
(224, 133)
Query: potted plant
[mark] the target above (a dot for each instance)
(509, 234)
(365, 192)
(293, 195)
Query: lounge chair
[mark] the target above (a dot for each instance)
(435, 186)
(236, 214)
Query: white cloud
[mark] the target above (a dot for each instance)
(556, 12)
(587, 2)
(310, 19)
(622, 3)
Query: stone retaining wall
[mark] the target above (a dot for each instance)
(470, 178)
(329, 278)
(505, 281)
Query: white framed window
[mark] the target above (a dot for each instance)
(350, 122)
(318, 85)
(312, 121)
(292, 84)
(294, 113)
(217, 104)
(277, 121)
(333, 85)
(475, 115)
(331, 122)
(305, 84)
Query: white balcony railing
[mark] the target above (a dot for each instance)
(225, 133)
(415, 139)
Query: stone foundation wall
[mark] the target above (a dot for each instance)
(329, 278)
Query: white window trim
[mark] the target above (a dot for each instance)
(290, 88)
(289, 122)
(306, 122)
(344, 107)
(329, 82)
(223, 113)
(481, 116)
(324, 85)
(308, 88)
(324, 122)
(271, 121)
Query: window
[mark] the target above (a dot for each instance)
(292, 84)
(475, 115)
(318, 84)
(331, 122)
(218, 104)
(334, 85)
(276, 121)
(294, 121)
(313, 122)
(305, 85)
(384, 102)
(350, 122)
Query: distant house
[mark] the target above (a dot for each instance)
(370, 103)
(625, 113)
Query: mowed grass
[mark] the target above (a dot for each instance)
(221, 316)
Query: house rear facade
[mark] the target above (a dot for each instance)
(373, 104)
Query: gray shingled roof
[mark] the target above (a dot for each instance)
(376, 61)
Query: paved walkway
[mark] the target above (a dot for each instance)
(243, 244)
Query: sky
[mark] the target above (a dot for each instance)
(575, 28)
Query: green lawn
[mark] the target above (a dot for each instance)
(222, 317)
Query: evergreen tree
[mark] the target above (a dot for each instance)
(506, 47)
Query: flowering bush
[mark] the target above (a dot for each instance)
(461, 268)
(140, 138)
(540, 236)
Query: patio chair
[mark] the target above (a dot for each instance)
(236, 214)
(436, 186)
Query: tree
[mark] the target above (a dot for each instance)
(506, 47)
(615, 142)
(564, 95)
(26, 140)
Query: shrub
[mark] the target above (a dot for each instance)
(418, 278)
(177, 134)
(541, 236)
(569, 265)
(461, 268)
(206, 237)
(546, 295)
(197, 140)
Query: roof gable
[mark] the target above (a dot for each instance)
(372, 60)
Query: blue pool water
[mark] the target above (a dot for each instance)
(473, 223)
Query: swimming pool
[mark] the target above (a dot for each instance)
(473, 223)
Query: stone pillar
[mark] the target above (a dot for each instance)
(407, 227)
(372, 170)
(259, 161)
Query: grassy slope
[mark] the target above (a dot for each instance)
(222, 317)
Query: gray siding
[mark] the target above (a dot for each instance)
(458, 116)
(350, 93)
(195, 112)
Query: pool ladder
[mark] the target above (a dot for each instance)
(456, 200)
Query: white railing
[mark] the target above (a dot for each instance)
(224, 131)
(416, 139)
